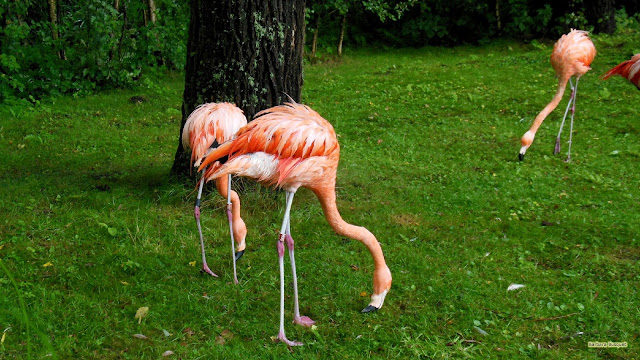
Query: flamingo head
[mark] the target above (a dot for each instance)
(240, 232)
(526, 141)
(381, 285)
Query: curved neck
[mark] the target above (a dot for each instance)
(562, 84)
(222, 184)
(327, 197)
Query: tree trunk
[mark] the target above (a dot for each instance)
(344, 25)
(150, 16)
(314, 44)
(123, 31)
(245, 52)
(53, 15)
(152, 11)
(498, 16)
(601, 14)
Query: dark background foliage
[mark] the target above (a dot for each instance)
(452, 22)
(98, 44)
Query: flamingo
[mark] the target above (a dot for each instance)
(628, 69)
(206, 127)
(572, 54)
(292, 146)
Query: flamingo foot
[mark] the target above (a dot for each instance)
(304, 321)
(557, 148)
(282, 338)
(206, 269)
(568, 160)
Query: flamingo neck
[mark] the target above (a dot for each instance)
(327, 197)
(562, 84)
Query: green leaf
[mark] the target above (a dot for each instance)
(112, 231)
(33, 137)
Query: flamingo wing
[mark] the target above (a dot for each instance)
(290, 131)
(629, 69)
(287, 131)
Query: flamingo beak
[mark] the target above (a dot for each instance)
(369, 308)
(522, 151)
(239, 254)
(376, 302)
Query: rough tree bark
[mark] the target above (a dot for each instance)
(245, 52)
(601, 14)
(342, 29)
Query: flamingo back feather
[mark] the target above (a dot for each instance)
(293, 136)
(572, 54)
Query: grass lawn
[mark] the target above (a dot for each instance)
(92, 227)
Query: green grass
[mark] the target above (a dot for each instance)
(429, 164)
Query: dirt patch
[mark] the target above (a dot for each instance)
(407, 220)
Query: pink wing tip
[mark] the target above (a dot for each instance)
(615, 70)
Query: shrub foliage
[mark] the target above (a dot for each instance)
(58, 47)
(91, 44)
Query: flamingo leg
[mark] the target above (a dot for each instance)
(556, 150)
(196, 213)
(573, 111)
(300, 320)
(281, 336)
(230, 217)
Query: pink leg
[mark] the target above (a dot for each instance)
(196, 213)
(281, 336)
(573, 111)
(300, 320)
(556, 150)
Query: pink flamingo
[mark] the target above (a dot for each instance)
(206, 127)
(629, 69)
(292, 146)
(572, 54)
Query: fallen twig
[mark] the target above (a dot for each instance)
(471, 341)
(555, 317)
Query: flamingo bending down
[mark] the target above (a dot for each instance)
(572, 54)
(206, 127)
(629, 69)
(292, 146)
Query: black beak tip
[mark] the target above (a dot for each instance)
(521, 156)
(369, 309)
(239, 254)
